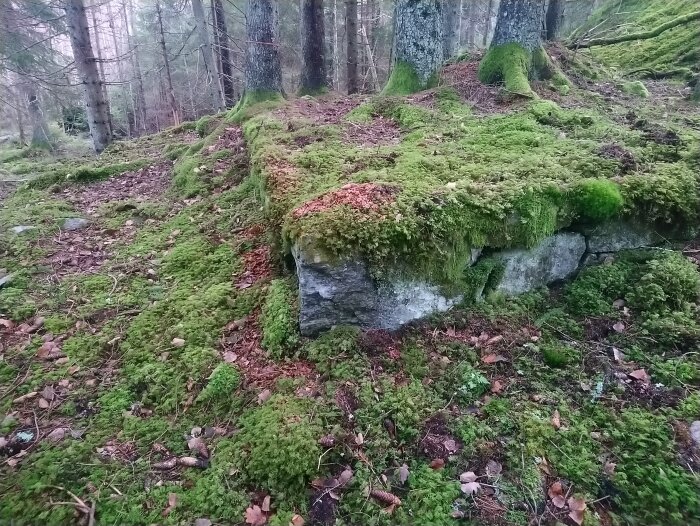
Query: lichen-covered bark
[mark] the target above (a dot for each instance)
(313, 50)
(520, 22)
(451, 15)
(263, 72)
(204, 44)
(351, 30)
(418, 44)
(95, 102)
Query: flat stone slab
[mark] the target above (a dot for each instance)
(621, 235)
(557, 258)
(21, 229)
(74, 223)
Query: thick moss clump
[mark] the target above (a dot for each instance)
(510, 64)
(636, 88)
(404, 80)
(279, 319)
(597, 199)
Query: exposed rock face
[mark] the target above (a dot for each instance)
(556, 258)
(344, 293)
(622, 235)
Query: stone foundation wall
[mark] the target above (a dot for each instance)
(344, 293)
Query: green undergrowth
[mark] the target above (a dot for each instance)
(671, 51)
(279, 318)
(456, 182)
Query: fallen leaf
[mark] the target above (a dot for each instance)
(494, 340)
(178, 342)
(618, 304)
(57, 434)
(559, 501)
(49, 351)
(617, 355)
(6, 323)
(230, 357)
(192, 462)
(556, 419)
(25, 397)
(493, 468)
(619, 327)
(202, 522)
(327, 441)
(496, 387)
(470, 488)
(493, 358)
(359, 439)
(404, 473)
(266, 503)
(555, 490)
(264, 396)
(577, 507)
(297, 520)
(44, 404)
(468, 476)
(172, 502)
(438, 463)
(48, 393)
(254, 516)
(450, 446)
(641, 375)
(345, 477)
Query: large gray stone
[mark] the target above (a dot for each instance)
(343, 293)
(621, 235)
(558, 257)
(74, 223)
(21, 229)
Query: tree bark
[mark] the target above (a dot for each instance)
(352, 53)
(224, 52)
(519, 22)
(101, 65)
(204, 44)
(96, 105)
(313, 49)
(418, 45)
(487, 25)
(263, 73)
(141, 109)
(40, 130)
(166, 63)
(555, 13)
(451, 17)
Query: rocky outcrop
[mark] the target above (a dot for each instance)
(342, 292)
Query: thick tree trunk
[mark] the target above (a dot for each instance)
(204, 44)
(141, 109)
(313, 49)
(224, 52)
(40, 130)
(166, 62)
(519, 22)
(263, 71)
(95, 103)
(555, 14)
(451, 17)
(352, 52)
(418, 45)
(101, 65)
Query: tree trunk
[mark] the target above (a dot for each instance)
(20, 118)
(418, 46)
(166, 62)
(451, 17)
(101, 65)
(224, 52)
(141, 110)
(40, 130)
(96, 105)
(120, 70)
(263, 70)
(516, 47)
(313, 49)
(555, 13)
(204, 44)
(487, 25)
(351, 30)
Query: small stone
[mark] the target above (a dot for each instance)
(5, 280)
(74, 223)
(21, 229)
(695, 433)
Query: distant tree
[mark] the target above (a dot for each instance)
(555, 14)
(516, 54)
(451, 18)
(352, 51)
(41, 136)
(263, 70)
(418, 46)
(204, 44)
(222, 46)
(174, 108)
(313, 47)
(95, 103)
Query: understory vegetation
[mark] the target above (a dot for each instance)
(152, 370)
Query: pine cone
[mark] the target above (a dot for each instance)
(385, 497)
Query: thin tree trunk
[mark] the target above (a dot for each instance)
(166, 62)
(141, 109)
(100, 63)
(336, 48)
(313, 50)
(555, 12)
(351, 30)
(451, 16)
(263, 73)
(40, 130)
(224, 52)
(20, 118)
(96, 105)
(370, 57)
(212, 82)
(117, 55)
(487, 25)
(418, 45)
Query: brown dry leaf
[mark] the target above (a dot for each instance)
(266, 503)
(576, 516)
(470, 488)
(165, 465)
(641, 375)
(493, 468)
(57, 434)
(404, 473)
(493, 358)
(25, 397)
(255, 516)
(494, 340)
(345, 477)
(359, 439)
(578, 508)
(230, 357)
(48, 393)
(192, 462)
(297, 520)
(555, 490)
(617, 355)
(468, 476)
(44, 404)
(556, 419)
(496, 386)
(264, 396)
(559, 501)
(172, 503)
(438, 463)
(8, 324)
(619, 327)
(450, 445)
(49, 351)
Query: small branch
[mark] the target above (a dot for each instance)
(637, 36)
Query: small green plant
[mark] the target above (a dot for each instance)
(556, 355)
(336, 354)
(223, 383)
(636, 88)
(597, 199)
(279, 319)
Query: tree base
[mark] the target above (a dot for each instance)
(244, 108)
(404, 80)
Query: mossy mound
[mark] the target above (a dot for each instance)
(673, 50)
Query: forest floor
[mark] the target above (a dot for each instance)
(148, 374)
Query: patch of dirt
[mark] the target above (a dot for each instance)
(6, 188)
(625, 158)
(437, 442)
(328, 109)
(380, 342)
(231, 140)
(367, 197)
(146, 184)
(257, 266)
(378, 132)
